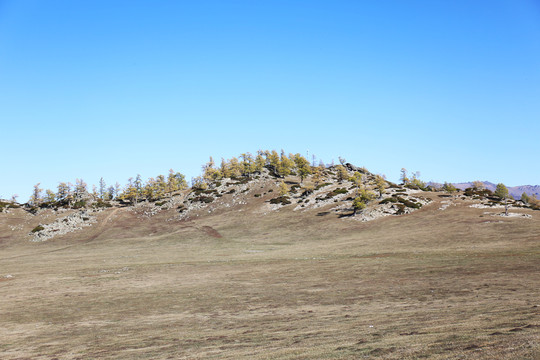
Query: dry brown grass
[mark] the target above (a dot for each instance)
(435, 284)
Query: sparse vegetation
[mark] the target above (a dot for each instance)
(389, 200)
(237, 257)
(38, 228)
(203, 199)
(282, 200)
(448, 187)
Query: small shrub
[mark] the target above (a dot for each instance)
(37, 228)
(412, 186)
(6, 205)
(47, 205)
(320, 186)
(283, 200)
(335, 192)
(199, 191)
(478, 193)
(257, 195)
(388, 200)
(79, 204)
(294, 189)
(102, 204)
(160, 203)
(240, 181)
(203, 199)
(409, 203)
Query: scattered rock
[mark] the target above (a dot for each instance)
(67, 224)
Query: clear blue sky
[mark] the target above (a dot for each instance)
(116, 88)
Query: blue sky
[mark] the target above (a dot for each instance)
(115, 88)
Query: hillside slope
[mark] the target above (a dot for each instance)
(240, 277)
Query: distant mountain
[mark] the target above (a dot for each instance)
(515, 191)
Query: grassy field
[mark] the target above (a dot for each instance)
(450, 284)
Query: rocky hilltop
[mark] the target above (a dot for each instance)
(338, 263)
(344, 191)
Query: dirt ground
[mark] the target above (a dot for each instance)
(440, 284)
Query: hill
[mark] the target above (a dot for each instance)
(515, 191)
(235, 269)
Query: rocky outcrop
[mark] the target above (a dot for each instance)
(67, 224)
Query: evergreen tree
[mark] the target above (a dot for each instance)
(35, 198)
(259, 161)
(102, 188)
(111, 193)
(404, 176)
(138, 187)
(64, 195)
(210, 173)
(150, 190)
(358, 205)
(199, 183)
(525, 198)
(362, 199)
(235, 168)
(176, 181)
(283, 189)
(303, 168)
(80, 189)
(448, 187)
(273, 159)
(224, 169)
(478, 185)
(317, 175)
(161, 186)
(285, 165)
(502, 192)
(357, 177)
(248, 164)
(50, 196)
(416, 181)
(130, 192)
(380, 184)
(342, 173)
(117, 190)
